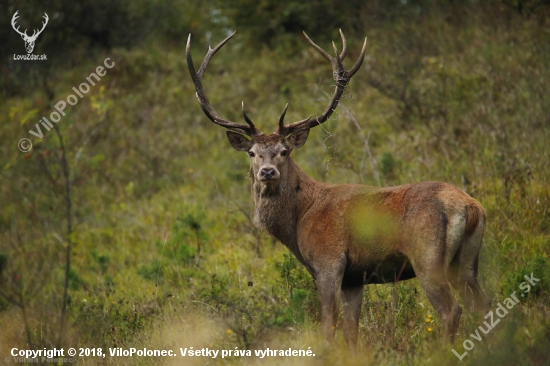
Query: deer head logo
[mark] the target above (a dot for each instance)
(29, 40)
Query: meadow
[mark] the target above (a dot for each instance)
(130, 224)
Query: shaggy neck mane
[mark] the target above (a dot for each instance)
(278, 209)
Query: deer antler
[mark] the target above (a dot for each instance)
(24, 34)
(35, 34)
(207, 108)
(342, 79)
(13, 20)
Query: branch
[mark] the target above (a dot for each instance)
(65, 167)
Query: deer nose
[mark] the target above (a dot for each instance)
(267, 173)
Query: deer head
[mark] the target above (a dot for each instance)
(269, 153)
(29, 40)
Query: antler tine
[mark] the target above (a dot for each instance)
(281, 120)
(342, 79)
(248, 120)
(211, 52)
(359, 60)
(338, 58)
(207, 108)
(344, 46)
(319, 49)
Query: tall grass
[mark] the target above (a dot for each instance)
(163, 250)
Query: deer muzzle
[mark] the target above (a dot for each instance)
(268, 175)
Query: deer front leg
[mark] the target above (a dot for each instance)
(329, 280)
(352, 298)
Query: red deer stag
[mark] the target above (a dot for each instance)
(349, 235)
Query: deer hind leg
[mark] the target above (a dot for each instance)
(434, 282)
(430, 266)
(463, 270)
(352, 298)
(426, 251)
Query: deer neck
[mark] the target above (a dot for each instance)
(278, 209)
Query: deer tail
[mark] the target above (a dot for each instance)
(475, 216)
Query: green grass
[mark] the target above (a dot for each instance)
(154, 181)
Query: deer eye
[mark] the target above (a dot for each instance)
(284, 153)
(251, 154)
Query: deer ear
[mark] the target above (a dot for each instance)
(297, 139)
(238, 141)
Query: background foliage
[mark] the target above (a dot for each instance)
(163, 249)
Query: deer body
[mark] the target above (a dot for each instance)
(425, 226)
(351, 235)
